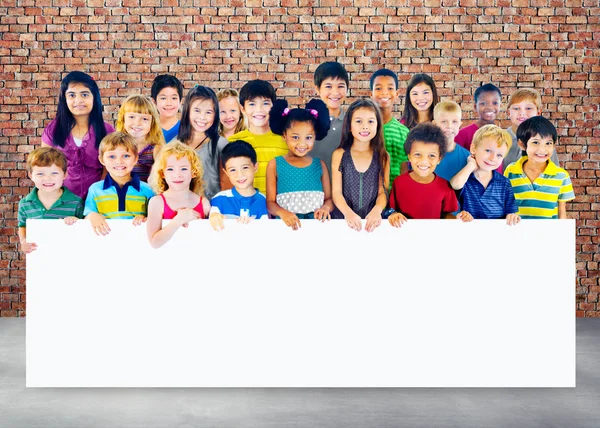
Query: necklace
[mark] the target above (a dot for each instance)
(197, 146)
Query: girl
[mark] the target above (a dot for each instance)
(421, 97)
(199, 129)
(139, 118)
(232, 120)
(297, 184)
(177, 180)
(77, 131)
(361, 167)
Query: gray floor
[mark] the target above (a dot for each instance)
(491, 407)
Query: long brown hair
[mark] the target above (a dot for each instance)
(410, 116)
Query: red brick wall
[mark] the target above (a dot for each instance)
(549, 45)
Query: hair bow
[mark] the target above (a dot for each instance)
(314, 113)
(286, 111)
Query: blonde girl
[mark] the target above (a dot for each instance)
(176, 178)
(230, 112)
(139, 118)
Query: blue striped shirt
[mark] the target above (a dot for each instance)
(495, 201)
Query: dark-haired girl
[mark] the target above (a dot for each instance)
(77, 131)
(421, 97)
(297, 184)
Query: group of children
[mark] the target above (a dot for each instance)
(247, 155)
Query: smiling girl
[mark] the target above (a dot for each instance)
(232, 120)
(421, 97)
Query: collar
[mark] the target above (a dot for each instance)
(551, 168)
(67, 195)
(341, 116)
(238, 195)
(134, 182)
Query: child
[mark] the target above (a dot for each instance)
(47, 168)
(488, 100)
(77, 131)
(522, 104)
(177, 180)
(230, 113)
(421, 194)
(421, 97)
(243, 201)
(167, 92)
(199, 129)
(447, 115)
(361, 168)
(138, 117)
(331, 84)
(542, 189)
(121, 194)
(257, 98)
(487, 194)
(298, 184)
(385, 92)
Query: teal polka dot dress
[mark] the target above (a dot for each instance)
(299, 190)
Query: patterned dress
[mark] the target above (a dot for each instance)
(299, 190)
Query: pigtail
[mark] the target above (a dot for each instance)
(278, 116)
(322, 121)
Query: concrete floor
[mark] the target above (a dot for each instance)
(491, 407)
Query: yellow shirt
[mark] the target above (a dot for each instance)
(268, 146)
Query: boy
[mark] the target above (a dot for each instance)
(541, 188)
(487, 194)
(243, 201)
(257, 98)
(385, 92)
(331, 84)
(421, 194)
(47, 168)
(121, 194)
(488, 100)
(522, 104)
(167, 92)
(447, 115)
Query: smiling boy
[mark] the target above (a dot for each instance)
(167, 92)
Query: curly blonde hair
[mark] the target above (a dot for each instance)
(143, 105)
(178, 149)
(241, 125)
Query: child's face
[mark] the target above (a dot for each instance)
(488, 106)
(119, 162)
(488, 155)
(424, 157)
(168, 102)
(333, 92)
(47, 179)
(539, 149)
(520, 112)
(178, 172)
(229, 109)
(80, 100)
(202, 115)
(300, 138)
(421, 97)
(449, 123)
(384, 92)
(138, 125)
(241, 172)
(257, 111)
(363, 125)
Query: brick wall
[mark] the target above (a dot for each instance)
(549, 45)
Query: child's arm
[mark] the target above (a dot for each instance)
(158, 235)
(374, 216)
(26, 247)
(353, 219)
(458, 181)
(562, 209)
(324, 213)
(289, 218)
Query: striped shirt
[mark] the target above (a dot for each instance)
(495, 201)
(540, 198)
(107, 198)
(68, 205)
(233, 205)
(394, 135)
(144, 164)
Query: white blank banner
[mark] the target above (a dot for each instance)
(433, 304)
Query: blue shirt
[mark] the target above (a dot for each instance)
(107, 198)
(495, 201)
(171, 134)
(452, 163)
(233, 205)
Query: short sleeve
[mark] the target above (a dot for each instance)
(566, 190)
(79, 209)
(22, 218)
(510, 203)
(90, 202)
(450, 204)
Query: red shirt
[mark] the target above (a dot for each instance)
(422, 201)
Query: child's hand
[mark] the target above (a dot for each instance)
(291, 220)
(139, 219)
(397, 219)
(185, 215)
(70, 220)
(322, 214)
(354, 221)
(513, 219)
(28, 247)
(99, 224)
(216, 221)
(244, 219)
(464, 216)
(471, 162)
(373, 221)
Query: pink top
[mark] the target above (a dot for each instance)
(169, 214)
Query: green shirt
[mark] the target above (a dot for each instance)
(394, 135)
(68, 205)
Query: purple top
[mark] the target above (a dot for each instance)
(83, 166)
